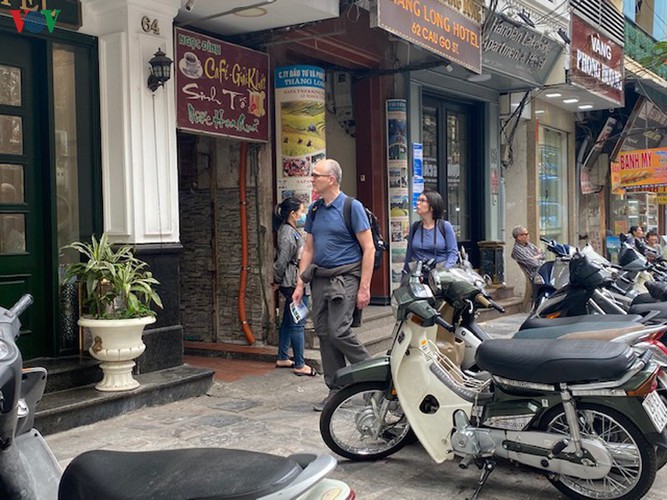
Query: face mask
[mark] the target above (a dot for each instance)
(301, 221)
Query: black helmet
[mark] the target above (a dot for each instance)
(586, 273)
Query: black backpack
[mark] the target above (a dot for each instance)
(378, 240)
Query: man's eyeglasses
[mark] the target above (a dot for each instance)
(315, 176)
(522, 234)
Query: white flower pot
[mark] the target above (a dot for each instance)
(116, 342)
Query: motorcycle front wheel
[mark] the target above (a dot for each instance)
(359, 422)
(633, 458)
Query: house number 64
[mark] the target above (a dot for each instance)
(148, 25)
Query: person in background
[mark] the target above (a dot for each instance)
(635, 235)
(653, 244)
(285, 270)
(431, 237)
(525, 253)
(338, 264)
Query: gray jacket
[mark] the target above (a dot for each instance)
(286, 266)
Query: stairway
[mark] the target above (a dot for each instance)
(71, 400)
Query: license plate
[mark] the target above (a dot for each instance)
(656, 409)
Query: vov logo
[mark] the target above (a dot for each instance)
(35, 21)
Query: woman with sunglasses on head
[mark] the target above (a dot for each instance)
(285, 270)
(431, 237)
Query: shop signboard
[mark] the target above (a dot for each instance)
(643, 167)
(616, 178)
(596, 61)
(221, 88)
(516, 51)
(449, 28)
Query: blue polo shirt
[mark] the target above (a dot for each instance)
(333, 245)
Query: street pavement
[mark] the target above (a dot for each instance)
(273, 413)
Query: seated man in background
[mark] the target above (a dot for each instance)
(525, 253)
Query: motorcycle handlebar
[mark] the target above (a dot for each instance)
(441, 322)
(22, 304)
(488, 303)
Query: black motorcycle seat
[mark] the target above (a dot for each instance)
(572, 320)
(554, 332)
(644, 309)
(176, 474)
(554, 361)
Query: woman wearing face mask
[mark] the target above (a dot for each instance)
(288, 215)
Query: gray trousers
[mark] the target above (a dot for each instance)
(332, 318)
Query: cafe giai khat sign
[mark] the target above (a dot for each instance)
(596, 61)
(449, 28)
(221, 88)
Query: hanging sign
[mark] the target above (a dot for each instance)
(448, 28)
(221, 88)
(643, 167)
(596, 62)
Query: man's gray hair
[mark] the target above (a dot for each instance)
(518, 230)
(333, 168)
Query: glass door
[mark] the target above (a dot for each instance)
(553, 183)
(22, 224)
(450, 165)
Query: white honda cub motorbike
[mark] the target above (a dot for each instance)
(583, 412)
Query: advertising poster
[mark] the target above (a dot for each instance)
(399, 193)
(300, 137)
(417, 169)
(221, 88)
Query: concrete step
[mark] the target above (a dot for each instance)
(68, 372)
(65, 409)
(500, 292)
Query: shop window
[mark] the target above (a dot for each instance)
(552, 158)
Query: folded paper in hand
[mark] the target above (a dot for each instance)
(299, 312)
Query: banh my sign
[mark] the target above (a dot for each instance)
(642, 167)
(221, 88)
(449, 28)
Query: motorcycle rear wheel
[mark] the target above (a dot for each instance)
(360, 423)
(634, 459)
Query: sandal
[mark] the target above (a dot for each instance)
(291, 365)
(311, 373)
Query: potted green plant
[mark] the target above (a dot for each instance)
(118, 290)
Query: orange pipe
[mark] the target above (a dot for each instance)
(244, 244)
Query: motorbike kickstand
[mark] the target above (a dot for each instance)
(487, 469)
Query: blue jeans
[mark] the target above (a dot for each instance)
(291, 332)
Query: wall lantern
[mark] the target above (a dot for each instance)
(160, 70)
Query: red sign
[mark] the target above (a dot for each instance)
(221, 89)
(596, 61)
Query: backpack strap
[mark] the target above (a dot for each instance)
(313, 210)
(441, 226)
(347, 215)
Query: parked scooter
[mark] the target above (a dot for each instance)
(29, 470)
(584, 412)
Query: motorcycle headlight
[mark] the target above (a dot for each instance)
(394, 305)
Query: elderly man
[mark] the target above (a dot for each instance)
(525, 253)
(338, 263)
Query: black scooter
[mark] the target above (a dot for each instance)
(29, 470)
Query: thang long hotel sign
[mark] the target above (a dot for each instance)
(450, 28)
